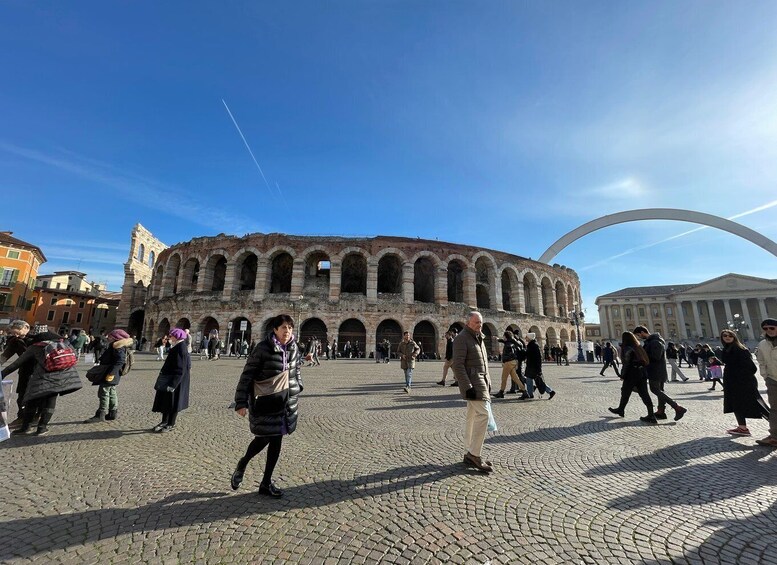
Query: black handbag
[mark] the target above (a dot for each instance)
(97, 373)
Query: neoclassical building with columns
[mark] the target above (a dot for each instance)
(360, 290)
(691, 312)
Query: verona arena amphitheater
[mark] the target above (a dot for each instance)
(357, 289)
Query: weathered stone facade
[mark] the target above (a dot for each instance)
(356, 289)
(144, 253)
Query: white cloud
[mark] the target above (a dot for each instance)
(140, 190)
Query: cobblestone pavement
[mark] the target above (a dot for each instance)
(374, 475)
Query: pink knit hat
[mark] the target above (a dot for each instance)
(178, 334)
(117, 334)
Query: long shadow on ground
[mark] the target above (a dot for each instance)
(38, 535)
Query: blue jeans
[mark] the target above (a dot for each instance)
(408, 376)
(530, 387)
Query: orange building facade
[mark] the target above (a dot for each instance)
(66, 311)
(19, 264)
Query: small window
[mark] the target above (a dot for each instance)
(669, 311)
(65, 317)
(641, 312)
(45, 284)
(50, 316)
(79, 316)
(81, 305)
(151, 257)
(13, 254)
(53, 302)
(628, 313)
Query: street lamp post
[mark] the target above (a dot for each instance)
(577, 316)
(738, 324)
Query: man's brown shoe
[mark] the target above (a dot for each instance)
(768, 441)
(478, 463)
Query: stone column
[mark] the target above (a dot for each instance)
(680, 321)
(540, 301)
(231, 276)
(662, 312)
(372, 280)
(297, 278)
(727, 309)
(408, 287)
(714, 329)
(763, 311)
(696, 318)
(470, 295)
(441, 286)
(624, 327)
(335, 279)
(520, 301)
(369, 336)
(262, 277)
(746, 313)
(498, 303)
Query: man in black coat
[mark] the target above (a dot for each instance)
(656, 349)
(534, 370)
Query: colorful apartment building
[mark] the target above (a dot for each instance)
(19, 264)
(66, 302)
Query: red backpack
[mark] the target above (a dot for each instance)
(59, 355)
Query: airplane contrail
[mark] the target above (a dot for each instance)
(261, 172)
(766, 206)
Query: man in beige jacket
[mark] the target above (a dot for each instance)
(470, 368)
(767, 364)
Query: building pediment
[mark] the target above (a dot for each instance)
(730, 283)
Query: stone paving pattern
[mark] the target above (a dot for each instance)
(374, 475)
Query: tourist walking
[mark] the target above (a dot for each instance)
(172, 384)
(767, 366)
(656, 370)
(98, 346)
(108, 373)
(509, 362)
(53, 374)
(159, 345)
(448, 357)
(715, 371)
(533, 371)
(740, 387)
(634, 377)
(267, 391)
(470, 369)
(608, 355)
(407, 351)
(682, 356)
(671, 356)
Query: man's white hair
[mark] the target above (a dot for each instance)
(18, 325)
(473, 314)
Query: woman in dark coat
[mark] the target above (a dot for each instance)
(267, 391)
(633, 375)
(172, 384)
(110, 364)
(740, 387)
(44, 386)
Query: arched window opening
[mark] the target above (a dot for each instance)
(455, 282)
(423, 280)
(389, 275)
(280, 275)
(354, 274)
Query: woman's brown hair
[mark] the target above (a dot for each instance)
(628, 339)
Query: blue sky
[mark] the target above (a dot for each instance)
(497, 124)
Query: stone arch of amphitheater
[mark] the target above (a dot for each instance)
(356, 289)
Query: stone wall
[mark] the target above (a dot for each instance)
(365, 287)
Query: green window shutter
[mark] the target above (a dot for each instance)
(14, 276)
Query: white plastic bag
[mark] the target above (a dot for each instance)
(491, 422)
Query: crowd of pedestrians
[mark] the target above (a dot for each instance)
(270, 382)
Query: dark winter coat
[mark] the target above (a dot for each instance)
(41, 383)
(655, 347)
(608, 354)
(470, 364)
(276, 413)
(632, 369)
(112, 360)
(175, 372)
(508, 350)
(533, 360)
(449, 349)
(740, 386)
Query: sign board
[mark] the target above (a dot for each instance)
(243, 325)
(229, 325)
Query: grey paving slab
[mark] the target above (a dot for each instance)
(374, 475)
